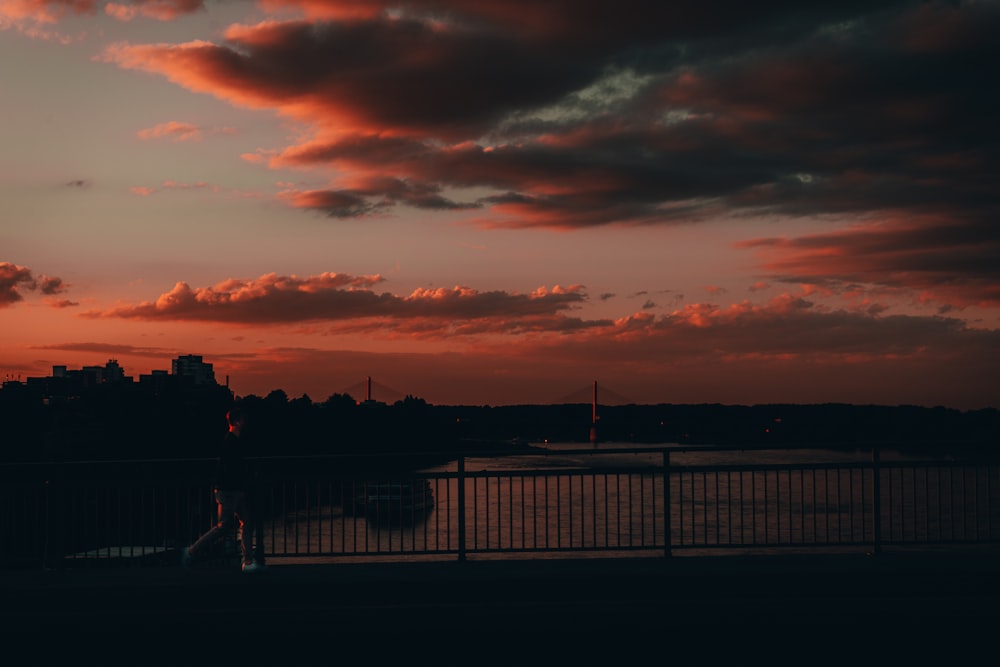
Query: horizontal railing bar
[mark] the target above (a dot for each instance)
(101, 509)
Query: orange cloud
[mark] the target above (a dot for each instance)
(785, 351)
(162, 10)
(44, 11)
(323, 9)
(182, 186)
(51, 11)
(530, 346)
(178, 131)
(36, 18)
(273, 299)
(254, 158)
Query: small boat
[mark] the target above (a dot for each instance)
(398, 500)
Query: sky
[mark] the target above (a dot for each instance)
(487, 202)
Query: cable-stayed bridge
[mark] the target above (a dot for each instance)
(595, 393)
(596, 398)
(369, 390)
(374, 391)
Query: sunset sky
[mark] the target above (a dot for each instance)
(494, 202)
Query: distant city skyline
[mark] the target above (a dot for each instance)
(500, 203)
(65, 381)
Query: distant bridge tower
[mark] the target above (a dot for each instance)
(593, 416)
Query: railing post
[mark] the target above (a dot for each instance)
(877, 499)
(461, 507)
(666, 505)
(54, 518)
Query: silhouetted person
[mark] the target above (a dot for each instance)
(233, 481)
(257, 505)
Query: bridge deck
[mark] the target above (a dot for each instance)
(293, 613)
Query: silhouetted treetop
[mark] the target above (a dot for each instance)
(182, 422)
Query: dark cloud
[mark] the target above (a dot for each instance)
(390, 76)
(841, 119)
(12, 279)
(51, 285)
(372, 196)
(591, 27)
(336, 203)
(62, 303)
(952, 260)
(570, 115)
(15, 279)
(767, 350)
(786, 328)
(111, 349)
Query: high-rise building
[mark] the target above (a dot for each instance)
(192, 366)
(114, 373)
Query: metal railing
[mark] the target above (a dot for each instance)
(657, 501)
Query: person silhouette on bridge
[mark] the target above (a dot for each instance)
(233, 480)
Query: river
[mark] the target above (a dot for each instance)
(608, 500)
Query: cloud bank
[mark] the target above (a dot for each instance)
(870, 123)
(638, 113)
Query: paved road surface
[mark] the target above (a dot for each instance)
(558, 612)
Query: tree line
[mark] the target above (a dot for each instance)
(109, 422)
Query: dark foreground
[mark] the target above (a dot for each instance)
(715, 609)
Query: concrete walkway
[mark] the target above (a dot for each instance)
(695, 606)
